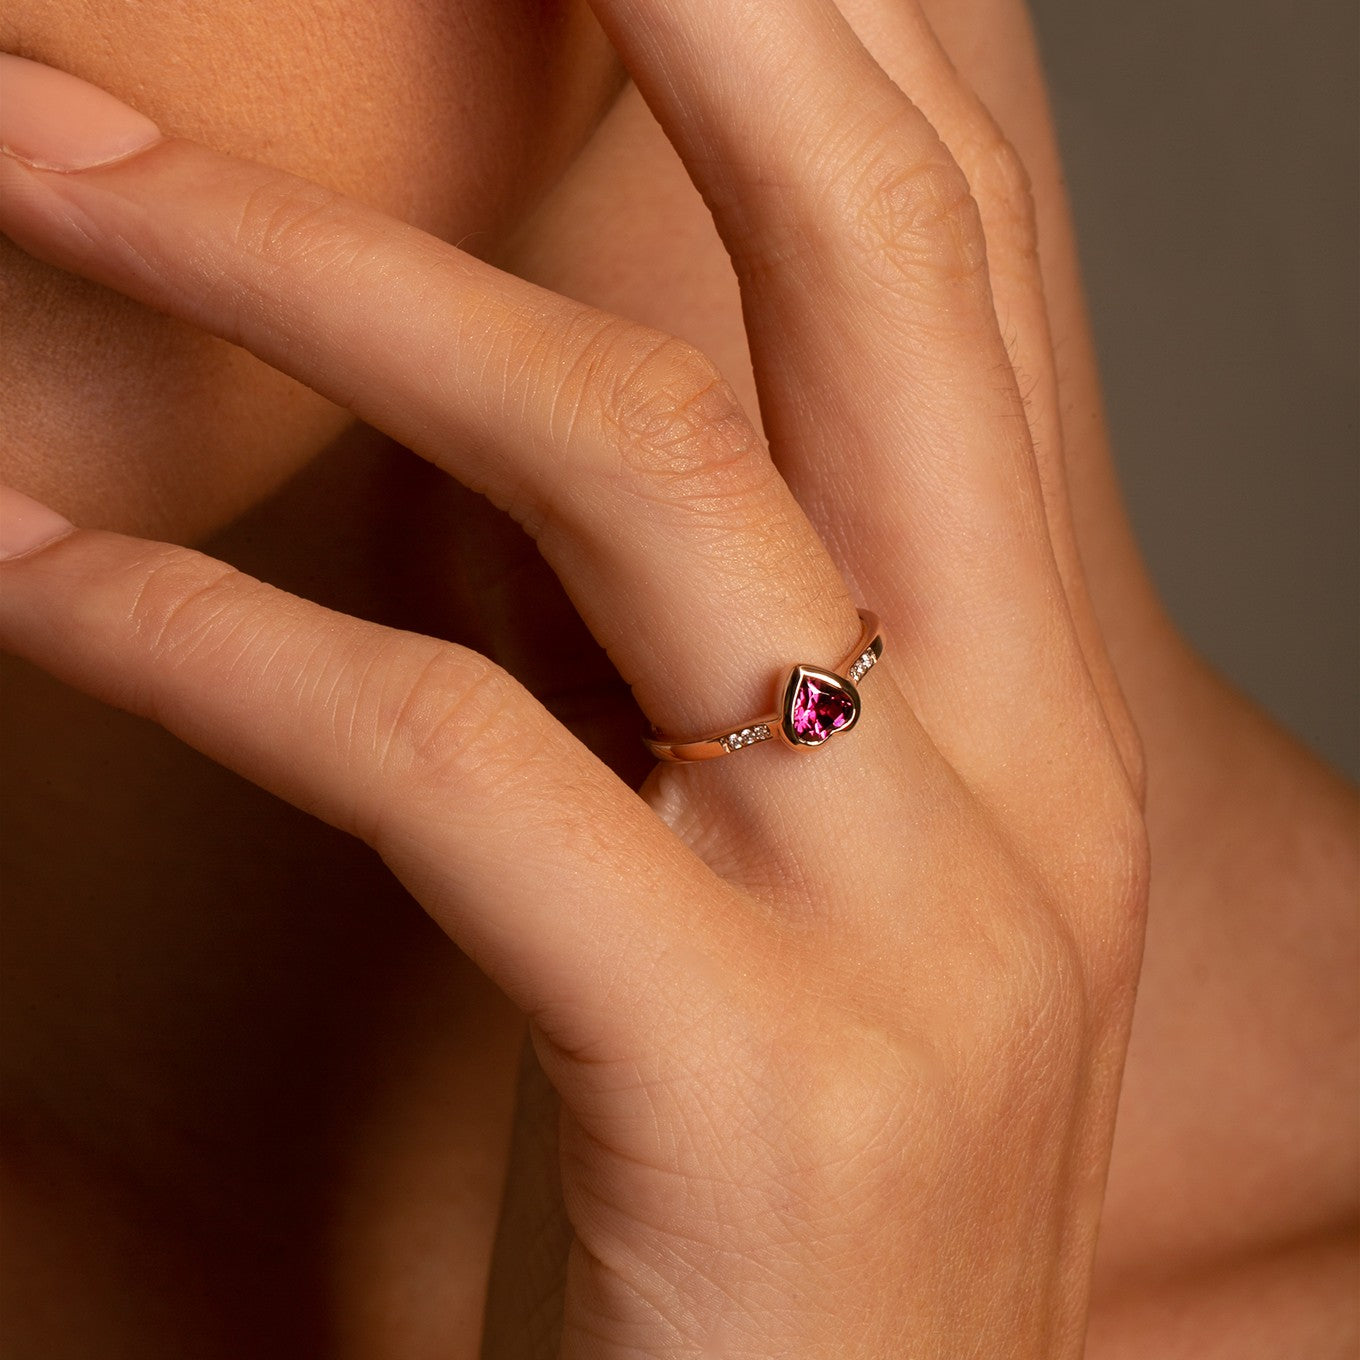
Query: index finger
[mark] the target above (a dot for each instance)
(471, 792)
(618, 447)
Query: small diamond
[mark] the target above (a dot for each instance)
(862, 664)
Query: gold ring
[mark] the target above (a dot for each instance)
(814, 705)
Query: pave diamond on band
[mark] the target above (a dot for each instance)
(814, 705)
(734, 741)
(863, 664)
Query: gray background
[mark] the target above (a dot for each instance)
(1211, 150)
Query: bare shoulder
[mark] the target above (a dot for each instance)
(1291, 1299)
(1230, 1215)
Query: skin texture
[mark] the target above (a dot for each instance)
(1241, 810)
(136, 1096)
(104, 397)
(753, 1116)
(1252, 912)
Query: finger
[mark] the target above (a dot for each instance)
(886, 386)
(522, 619)
(470, 791)
(1007, 75)
(932, 52)
(619, 448)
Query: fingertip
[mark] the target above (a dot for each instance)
(27, 525)
(52, 120)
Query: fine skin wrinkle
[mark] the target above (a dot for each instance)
(192, 1008)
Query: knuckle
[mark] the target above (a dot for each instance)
(185, 604)
(296, 225)
(1001, 185)
(1103, 865)
(673, 424)
(831, 1086)
(1023, 973)
(1134, 756)
(1118, 914)
(911, 216)
(448, 719)
(847, 1128)
(1038, 1009)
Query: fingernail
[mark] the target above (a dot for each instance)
(56, 122)
(26, 524)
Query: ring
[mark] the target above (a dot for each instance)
(814, 705)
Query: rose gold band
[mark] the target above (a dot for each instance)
(796, 721)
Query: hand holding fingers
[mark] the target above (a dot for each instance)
(808, 1079)
(611, 443)
(298, 270)
(473, 794)
(619, 448)
(771, 1085)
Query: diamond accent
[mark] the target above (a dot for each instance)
(863, 663)
(748, 736)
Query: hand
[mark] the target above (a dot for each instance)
(837, 1035)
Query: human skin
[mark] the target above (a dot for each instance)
(1311, 782)
(804, 1111)
(136, 1096)
(454, 117)
(1242, 1067)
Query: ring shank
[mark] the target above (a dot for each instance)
(769, 727)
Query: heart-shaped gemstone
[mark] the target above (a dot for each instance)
(818, 704)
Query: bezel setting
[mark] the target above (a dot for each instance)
(828, 680)
(782, 725)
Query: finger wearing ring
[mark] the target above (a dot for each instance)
(814, 705)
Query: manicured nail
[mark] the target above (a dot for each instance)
(56, 122)
(26, 524)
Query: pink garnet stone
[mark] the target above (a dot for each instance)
(819, 710)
